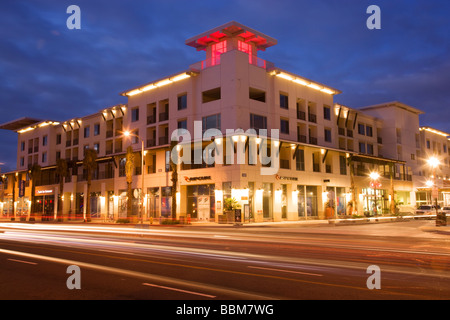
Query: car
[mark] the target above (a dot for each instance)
(445, 210)
(426, 209)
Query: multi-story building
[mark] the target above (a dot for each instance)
(321, 152)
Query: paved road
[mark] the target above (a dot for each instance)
(225, 263)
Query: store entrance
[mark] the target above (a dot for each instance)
(45, 205)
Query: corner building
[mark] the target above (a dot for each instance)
(325, 149)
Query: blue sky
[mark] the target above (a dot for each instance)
(48, 71)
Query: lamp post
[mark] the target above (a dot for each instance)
(128, 134)
(374, 176)
(441, 219)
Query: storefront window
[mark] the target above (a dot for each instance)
(267, 200)
(201, 202)
(153, 202)
(166, 202)
(311, 201)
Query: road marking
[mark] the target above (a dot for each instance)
(179, 290)
(33, 263)
(281, 270)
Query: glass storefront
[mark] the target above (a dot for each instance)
(153, 202)
(307, 202)
(201, 202)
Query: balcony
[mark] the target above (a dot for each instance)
(341, 131)
(253, 60)
(312, 117)
(301, 138)
(163, 140)
(151, 143)
(152, 119)
(313, 140)
(163, 116)
(301, 115)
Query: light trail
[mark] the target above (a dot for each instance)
(146, 276)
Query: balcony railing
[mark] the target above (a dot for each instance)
(312, 117)
(151, 143)
(253, 60)
(301, 138)
(151, 119)
(163, 116)
(163, 140)
(301, 115)
(313, 140)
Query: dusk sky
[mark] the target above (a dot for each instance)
(53, 73)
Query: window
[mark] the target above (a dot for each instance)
(300, 160)
(97, 147)
(58, 139)
(284, 101)
(327, 133)
(362, 147)
(44, 140)
(284, 126)
(361, 129)
(428, 144)
(211, 95)
(245, 47)
(182, 124)
(369, 131)
(326, 113)
(211, 122)
(96, 129)
(370, 148)
(44, 157)
(316, 162)
(256, 94)
(22, 146)
(182, 102)
(135, 114)
(258, 122)
(86, 131)
(216, 50)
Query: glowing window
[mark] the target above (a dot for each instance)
(216, 50)
(247, 48)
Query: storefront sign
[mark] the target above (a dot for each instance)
(43, 192)
(191, 179)
(286, 178)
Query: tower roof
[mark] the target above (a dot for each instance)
(230, 30)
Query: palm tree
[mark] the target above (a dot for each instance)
(391, 191)
(35, 175)
(174, 179)
(353, 201)
(129, 168)
(61, 170)
(90, 165)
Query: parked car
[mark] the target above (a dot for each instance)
(428, 209)
(446, 210)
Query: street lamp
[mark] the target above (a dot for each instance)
(129, 134)
(374, 176)
(441, 219)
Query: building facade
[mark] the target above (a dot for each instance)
(222, 118)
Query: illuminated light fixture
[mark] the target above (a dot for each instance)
(134, 92)
(314, 86)
(158, 84)
(180, 77)
(258, 140)
(163, 82)
(434, 131)
(148, 88)
(433, 162)
(300, 81)
(374, 175)
(326, 90)
(26, 130)
(303, 82)
(285, 76)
